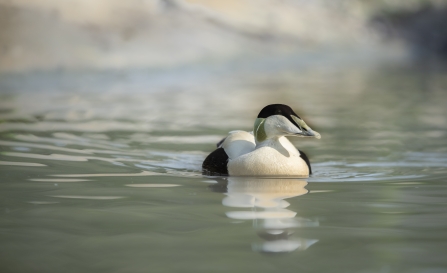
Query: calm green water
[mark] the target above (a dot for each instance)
(100, 172)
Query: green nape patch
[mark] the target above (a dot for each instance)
(259, 130)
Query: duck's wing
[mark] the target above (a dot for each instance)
(238, 143)
(237, 134)
(234, 145)
(219, 144)
(306, 159)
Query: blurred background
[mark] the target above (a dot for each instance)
(78, 61)
(108, 108)
(168, 34)
(203, 68)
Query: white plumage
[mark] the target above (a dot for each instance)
(273, 157)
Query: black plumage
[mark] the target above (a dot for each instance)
(306, 159)
(279, 109)
(216, 163)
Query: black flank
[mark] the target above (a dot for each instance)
(216, 163)
(306, 159)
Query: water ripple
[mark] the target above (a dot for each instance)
(88, 197)
(23, 164)
(57, 180)
(42, 202)
(41, 146)
(152, 185)
(50, 157)
(143, 173)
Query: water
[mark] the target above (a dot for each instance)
(100, 172)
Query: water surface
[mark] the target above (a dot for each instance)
(100, 172)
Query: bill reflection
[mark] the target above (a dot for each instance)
(262, 200)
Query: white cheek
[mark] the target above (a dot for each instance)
(279, 126)
(287, 127)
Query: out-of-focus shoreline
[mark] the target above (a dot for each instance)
(77, 35)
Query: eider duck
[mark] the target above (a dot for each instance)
(266, 151)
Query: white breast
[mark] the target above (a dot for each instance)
(276, 157)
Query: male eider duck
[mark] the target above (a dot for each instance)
(265, 151)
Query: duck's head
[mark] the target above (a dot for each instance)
(276, 120)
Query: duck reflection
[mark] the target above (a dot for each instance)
(272, 221)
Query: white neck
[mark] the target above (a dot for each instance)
(268, 142)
